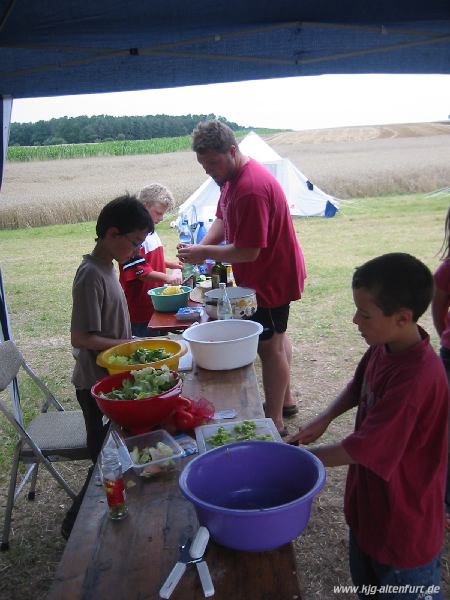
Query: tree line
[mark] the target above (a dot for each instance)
(105, 128)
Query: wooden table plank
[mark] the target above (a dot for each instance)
(130, 559)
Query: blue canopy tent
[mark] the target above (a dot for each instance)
(55, 47)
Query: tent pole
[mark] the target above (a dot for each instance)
(5, 329)
(5, 119)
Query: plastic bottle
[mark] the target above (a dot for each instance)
(224, 308)
(113, 484)
(201, 232)
(185, 233)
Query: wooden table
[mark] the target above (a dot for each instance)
(130, 559)
(165, 322)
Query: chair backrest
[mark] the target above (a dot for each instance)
(10, 362)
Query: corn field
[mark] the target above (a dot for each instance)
(116, 148)
(113, 148)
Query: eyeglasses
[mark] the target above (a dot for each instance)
(135, 245)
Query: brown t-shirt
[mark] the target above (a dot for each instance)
(99, 306)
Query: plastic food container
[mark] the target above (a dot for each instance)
(169, 303)
(189, 314)
(204, 432)
(176, 350)
(253, 496)
(157, 466)
(221, 345)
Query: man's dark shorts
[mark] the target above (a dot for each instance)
(273, 320)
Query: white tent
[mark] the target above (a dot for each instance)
(304, 198)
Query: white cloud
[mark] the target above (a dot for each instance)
(292, 103)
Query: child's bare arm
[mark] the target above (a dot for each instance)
(332, 455)
(314, 428)
(173, 264)
(163, 278)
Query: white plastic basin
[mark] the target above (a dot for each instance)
(222, 345)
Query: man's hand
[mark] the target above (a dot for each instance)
(194, 254)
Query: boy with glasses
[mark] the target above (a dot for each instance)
(100, 317)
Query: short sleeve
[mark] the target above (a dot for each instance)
(88, 296)
(380, 440)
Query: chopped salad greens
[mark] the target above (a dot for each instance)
(240, 432)
(144, 383)
(149, 454)
(140, 356)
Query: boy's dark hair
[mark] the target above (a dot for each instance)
(126, 213)
(212, 135)
(396, 280)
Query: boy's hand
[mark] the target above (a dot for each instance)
(174, 279)
(310, 431)
(174, 265)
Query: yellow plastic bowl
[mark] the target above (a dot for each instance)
(176, 349)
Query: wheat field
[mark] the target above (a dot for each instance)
(348, 162)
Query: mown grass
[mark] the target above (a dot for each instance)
(114, 148)
(38, 266)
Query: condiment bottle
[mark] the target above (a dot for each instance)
(224, 308)
(227, 275)
(216, 274)
(113, 484)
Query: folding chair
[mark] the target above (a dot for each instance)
(51, 436)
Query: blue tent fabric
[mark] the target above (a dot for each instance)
(330, 210)
(53, 48)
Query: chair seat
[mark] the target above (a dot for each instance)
(61, 431)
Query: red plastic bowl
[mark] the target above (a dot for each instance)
(138, 416)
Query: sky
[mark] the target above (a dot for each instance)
(298, 103)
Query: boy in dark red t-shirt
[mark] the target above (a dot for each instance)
(397, 455)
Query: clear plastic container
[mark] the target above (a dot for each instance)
(161, 459)
(263, 427)
(185, 235)
(189, 314)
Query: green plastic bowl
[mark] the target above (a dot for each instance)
(169, 303)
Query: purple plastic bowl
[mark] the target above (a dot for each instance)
(253, 496)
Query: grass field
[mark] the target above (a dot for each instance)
(38, 266)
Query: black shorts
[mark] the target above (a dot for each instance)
(273, 320)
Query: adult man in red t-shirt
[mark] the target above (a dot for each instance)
(254, 221)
